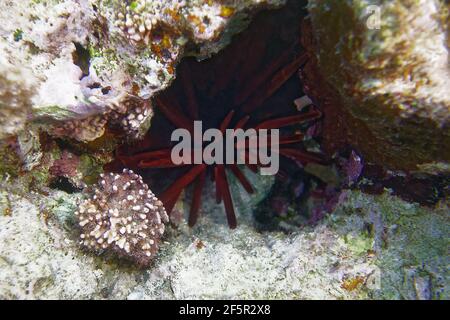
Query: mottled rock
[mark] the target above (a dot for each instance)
(371, 247)
(388, 65)
(17, 86)
(91, 58)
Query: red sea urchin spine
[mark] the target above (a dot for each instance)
(171, 195)
(171, 111)
(226, 196)
(192, 104)
(259, 80)
(241, 177)
(274, 83)
(196, 200)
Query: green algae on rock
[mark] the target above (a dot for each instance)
(410, 243)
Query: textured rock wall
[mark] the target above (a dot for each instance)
(97, 63)
(392, 79)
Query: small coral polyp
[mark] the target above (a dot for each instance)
(135, 22)
(129, 115)
(122, 216)
(132, 116)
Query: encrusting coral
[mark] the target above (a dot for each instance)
(122, 216)
(85, 59)
(131, 116)
(135, 22)
(134, 117)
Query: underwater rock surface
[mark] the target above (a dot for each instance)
(90, 57)
(370, 247)
(17, 87)
(388, 64)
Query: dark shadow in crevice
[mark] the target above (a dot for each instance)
(63, 184)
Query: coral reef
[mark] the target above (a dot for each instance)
(389, 82)
(135, 117)
(87, 129)
(122, 216)
(131, 116)
(89, 65)
(359, 207)
(45, 35)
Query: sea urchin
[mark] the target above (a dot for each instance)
(229, 91)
